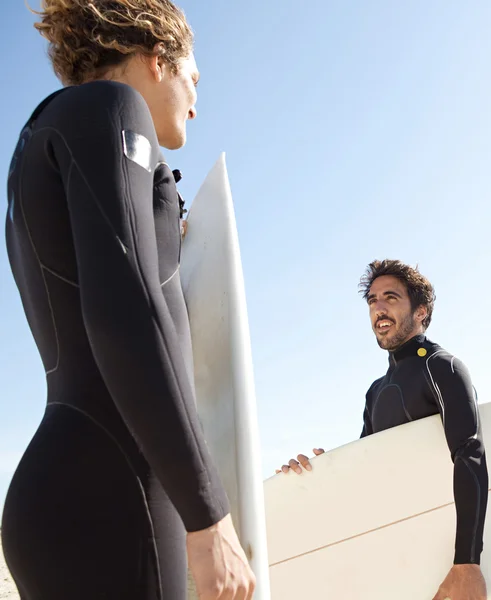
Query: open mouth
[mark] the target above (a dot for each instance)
(384, 325)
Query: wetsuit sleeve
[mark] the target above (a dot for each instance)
(108, 180)
(367, 422)
(455, 397)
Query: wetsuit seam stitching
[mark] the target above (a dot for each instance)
(398, 387)
(441, 395)
(128, 462)
(58, 276)
(438, 393)
(100, 425)
(73, 162)
(46, 287)
(169, 278)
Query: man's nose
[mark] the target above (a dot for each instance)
(380, 309)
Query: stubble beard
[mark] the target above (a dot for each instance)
(401, 336)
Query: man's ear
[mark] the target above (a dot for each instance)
(156, 63)
(155, 66)
(421, 313)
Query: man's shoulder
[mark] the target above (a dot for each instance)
(96, 102)
(374, 386)
(434, 350)
(100, 93)
(440, 360)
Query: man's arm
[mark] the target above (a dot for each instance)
(109, 188)
(367, 421)
(455, 396)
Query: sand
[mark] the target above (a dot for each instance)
(8, 591)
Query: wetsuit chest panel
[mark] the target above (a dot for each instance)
(402, 396)
(388, 406)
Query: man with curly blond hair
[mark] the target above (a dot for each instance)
(423, 380)
(117, 492)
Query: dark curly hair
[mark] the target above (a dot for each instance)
(420, 290)
(87, 38)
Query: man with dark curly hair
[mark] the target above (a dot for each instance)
(423, 380)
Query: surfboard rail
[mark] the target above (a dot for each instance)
(213, 285)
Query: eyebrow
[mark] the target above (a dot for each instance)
(387, 293)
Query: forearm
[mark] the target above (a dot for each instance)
(456, 399)
(471, 495)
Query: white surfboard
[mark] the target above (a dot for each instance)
(213, 284)
(373, 520)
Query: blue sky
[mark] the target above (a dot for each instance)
(353, 130)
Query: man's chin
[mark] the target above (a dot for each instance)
(383, 342)
(173, 141)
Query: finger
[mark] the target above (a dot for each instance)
(250, 592)
(304, 461)
(294, 466)
(227, 594)
(318, 451)
(285, 469)
(247, 591)
(240, 593)
(277, 471)
(252, 586)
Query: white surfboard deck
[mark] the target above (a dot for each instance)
(373, 520)
(213, 284)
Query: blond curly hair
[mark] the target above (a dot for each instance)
(87, 38)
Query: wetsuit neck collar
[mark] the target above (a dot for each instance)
(412, 347)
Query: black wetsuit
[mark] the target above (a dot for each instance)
(423, 379)
(118, 469)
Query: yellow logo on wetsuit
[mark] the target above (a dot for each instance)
(422, 352)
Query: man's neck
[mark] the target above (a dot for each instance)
(407, 341)
(408, 348)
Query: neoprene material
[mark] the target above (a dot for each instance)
(423, 379)
(118, 469)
